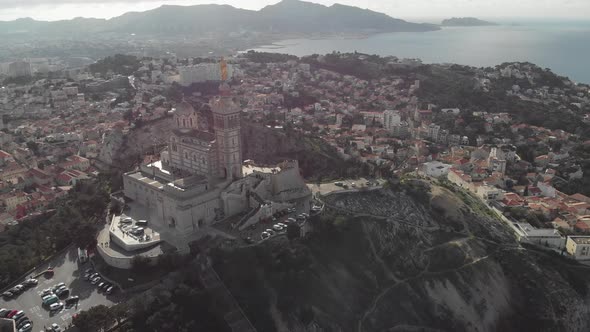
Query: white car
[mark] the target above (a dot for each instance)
(270, 232)
(55, 327)
(46, 292)
(277, 227)
(56, 306)
(46, 297)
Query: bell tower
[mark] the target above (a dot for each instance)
(226, 125)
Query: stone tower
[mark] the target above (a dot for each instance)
(226, 125)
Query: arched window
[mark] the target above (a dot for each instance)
(184, 122)
(174, 148)
(191, 122)
(178, 122)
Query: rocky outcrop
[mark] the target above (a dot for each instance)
(386, 261)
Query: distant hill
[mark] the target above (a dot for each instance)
(465, 22)
(287, 16)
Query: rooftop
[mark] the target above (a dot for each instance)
(580, 239)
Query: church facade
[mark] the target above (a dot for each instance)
(200, 178)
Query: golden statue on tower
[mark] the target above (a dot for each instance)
(223, 66)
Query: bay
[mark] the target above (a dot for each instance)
(563, 47)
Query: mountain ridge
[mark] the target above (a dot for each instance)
(466, 22)
(287, 16)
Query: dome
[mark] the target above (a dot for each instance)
(184, 108)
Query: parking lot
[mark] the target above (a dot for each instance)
(358, 184)
(66, 270)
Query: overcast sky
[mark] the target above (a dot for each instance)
(406, 9)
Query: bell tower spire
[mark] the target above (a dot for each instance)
(226, 124)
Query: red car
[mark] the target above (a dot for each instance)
(12, 313)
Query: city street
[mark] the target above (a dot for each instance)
(69, 272)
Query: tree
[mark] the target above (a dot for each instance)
(119, 313)
(85, 236)
(293, 231)
(93, 320)
(140, 264)
(34, 147)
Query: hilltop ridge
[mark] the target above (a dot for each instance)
(287, 16)
(466, 22)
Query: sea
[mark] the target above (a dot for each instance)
(563, 47)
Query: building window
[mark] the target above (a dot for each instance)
(191, 122)
(184, 122)
(178, 122)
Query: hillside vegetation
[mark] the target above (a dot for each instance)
(389, 260)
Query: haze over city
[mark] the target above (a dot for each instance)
(419, 9)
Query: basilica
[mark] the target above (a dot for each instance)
(202, 179)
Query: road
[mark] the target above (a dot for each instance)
(67, 271)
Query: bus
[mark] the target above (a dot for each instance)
(82, 256)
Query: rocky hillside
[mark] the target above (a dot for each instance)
(411, 259)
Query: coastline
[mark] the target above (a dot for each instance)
(560, 50)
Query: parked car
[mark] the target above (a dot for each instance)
(339, 184)
(7, 294)
(282, 225)
(4, 312)
(96, 280)
(17, 289)
(110, 290)
(20, 321)
(31, 282)
(56, 306)
(50, 300)
(270, 232)
(62, 292)
(264, 235)
(44, 298)
(100, 284)
(58, 286)
(55, 328)
(23, 323)
(248, 240)
(18, 315)
(26, 328)
(46, 292)
(72, 300)
(277, 228)
(12, 313)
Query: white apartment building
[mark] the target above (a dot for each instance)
(391, 119)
